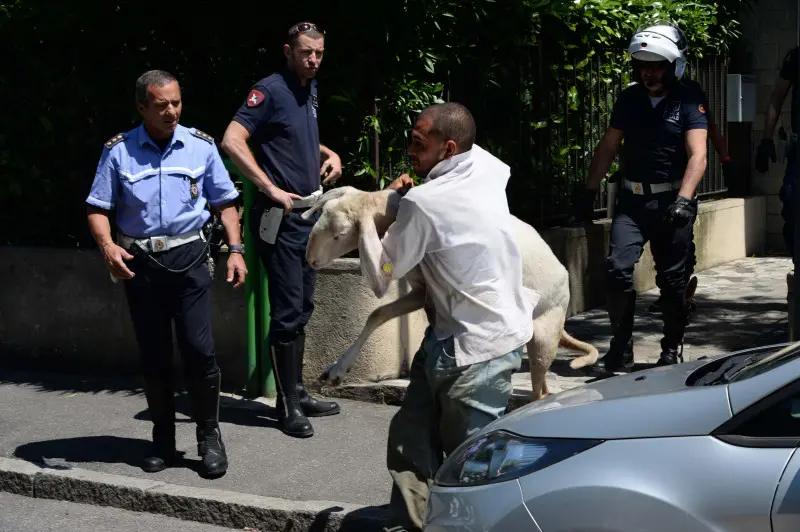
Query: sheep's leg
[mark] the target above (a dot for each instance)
(410, 302)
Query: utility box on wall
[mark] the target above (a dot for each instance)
(741, 98)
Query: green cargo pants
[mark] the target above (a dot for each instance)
(444, 405)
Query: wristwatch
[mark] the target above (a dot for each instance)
(236, 249)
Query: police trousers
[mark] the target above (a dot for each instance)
(640, 219)
(787, 196)
(290, 278)
(444, 405)
(157, 298)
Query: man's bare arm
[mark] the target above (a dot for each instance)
(114, 255)
(234, 143)
(774, 105)
(697, 151)
(229, 217)
(603, 155)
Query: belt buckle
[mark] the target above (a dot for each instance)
(158, 243)
(637, 188)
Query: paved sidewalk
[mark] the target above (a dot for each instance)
(102, 426)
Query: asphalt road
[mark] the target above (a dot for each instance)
(64, 421)
(25, 514)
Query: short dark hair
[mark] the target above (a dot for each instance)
(159, 78)
(452, 121)
(294, 32)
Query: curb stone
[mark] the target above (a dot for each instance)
(205, 505)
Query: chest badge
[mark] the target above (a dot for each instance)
(194, 191)
(673, 112)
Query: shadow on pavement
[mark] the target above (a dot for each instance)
(53, 381)
(86, 449)
(237, 412)
(64, 453)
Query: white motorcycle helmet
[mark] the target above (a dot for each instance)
(661, 42)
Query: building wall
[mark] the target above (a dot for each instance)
(769, 31)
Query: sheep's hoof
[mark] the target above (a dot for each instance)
(333, 376)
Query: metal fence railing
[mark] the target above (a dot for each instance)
(712, 75)
(569, 145)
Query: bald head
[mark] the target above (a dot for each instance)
(451, 121)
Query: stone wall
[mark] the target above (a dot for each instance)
(59, 311)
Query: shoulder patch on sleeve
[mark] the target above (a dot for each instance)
(201, 135)
(113, 141)
(255, 98)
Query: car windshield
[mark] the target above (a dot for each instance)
(744, 365)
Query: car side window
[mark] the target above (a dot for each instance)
(781, 420)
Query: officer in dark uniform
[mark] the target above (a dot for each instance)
(159, 178)
(279, 118)
(664, 127)
(789, 77)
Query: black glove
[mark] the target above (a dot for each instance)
(681, 212)
(765, 150)
(584, 204)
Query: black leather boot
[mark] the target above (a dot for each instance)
(290, 415)
(675, 313)
(159, 395)
(310, 406)
(210, 447)
(621, 307)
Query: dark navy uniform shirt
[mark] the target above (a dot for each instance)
(281, 117)
(654, 137)
(790, 71)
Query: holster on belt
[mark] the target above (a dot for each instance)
(270, 223)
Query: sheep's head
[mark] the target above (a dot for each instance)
(335, 234)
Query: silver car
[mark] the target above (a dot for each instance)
(703, 446)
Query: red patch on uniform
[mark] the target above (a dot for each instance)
(701, 108)
(254, 98)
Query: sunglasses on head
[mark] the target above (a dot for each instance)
(304, 27)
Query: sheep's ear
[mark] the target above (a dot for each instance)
(325, 198)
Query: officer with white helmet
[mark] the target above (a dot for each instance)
(663, 124)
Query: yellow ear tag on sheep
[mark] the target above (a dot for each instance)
(387, 268)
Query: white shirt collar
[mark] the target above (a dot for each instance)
(448, 165)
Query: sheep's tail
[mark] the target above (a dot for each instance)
(569, 342)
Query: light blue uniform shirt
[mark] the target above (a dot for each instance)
(151, 190)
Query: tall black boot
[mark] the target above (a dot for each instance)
(159, 395)
(290, 415)
(310, 406)
(675, 313)
(210, 447)
(621, 307)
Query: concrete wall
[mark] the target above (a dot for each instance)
(60, 311)
(724, 230)
(769, 32)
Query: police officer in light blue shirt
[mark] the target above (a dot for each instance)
(159, 179)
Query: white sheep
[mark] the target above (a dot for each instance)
(336, 233)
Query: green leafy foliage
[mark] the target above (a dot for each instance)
(538, 75)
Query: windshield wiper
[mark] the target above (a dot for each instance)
(775, 357)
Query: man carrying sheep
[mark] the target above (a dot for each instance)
(457, 228)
